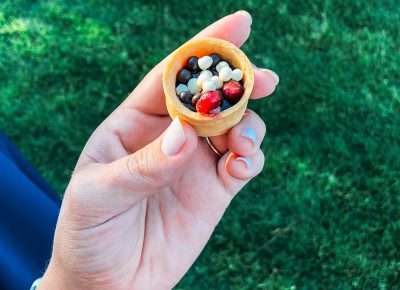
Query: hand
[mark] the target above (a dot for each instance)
(142, 201)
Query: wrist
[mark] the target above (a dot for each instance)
(54, 278)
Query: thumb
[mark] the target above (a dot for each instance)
(157, 165)
(114, 187)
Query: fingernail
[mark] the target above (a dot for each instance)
(274, 75)
(245, 14)
(174, 138)
(250, 134)
(246, 161)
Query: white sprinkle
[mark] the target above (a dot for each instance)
(225, 74)
(181, 88)
(237, 74)
(192, 86)
(221, 64)
(205, 62)
(215, 111)
(217, 81)
(204, 76)
(209, 86)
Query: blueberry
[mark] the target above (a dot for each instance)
(233, 102)
(185, 97)
(184, 76)
(214, 71)
(195, 75)
(190, 107)
(195, 98)
(193, 64)
(225, 105)
(216, 59)
(220, 93)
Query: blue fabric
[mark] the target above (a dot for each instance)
(28, 215)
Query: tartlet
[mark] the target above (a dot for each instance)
(208, 124)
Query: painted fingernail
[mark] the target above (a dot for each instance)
(247, 161)
(245, 14)
(274, 75)
(174, 138)
(250, 134)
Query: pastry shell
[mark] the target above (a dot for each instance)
(208, 124)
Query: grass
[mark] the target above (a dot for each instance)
(325, 212)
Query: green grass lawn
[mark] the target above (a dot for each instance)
(325, 212)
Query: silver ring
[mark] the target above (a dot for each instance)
(212, 147)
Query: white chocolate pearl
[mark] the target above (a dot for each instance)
(237, 74)
(192, 86)
(205, 62)
(181, 88)
(204, 76)
(215, 111)
(209, 86)
(221, 64)
(218, 83)
(225, 74)
(207, 73)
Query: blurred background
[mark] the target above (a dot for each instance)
(325, 212)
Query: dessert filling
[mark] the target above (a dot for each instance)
(209, 85)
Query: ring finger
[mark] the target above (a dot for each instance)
(244, 138)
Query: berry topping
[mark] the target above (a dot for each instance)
(209, 86)
(215, 58)
(205, 75)
(208, 101)
(195, 98)
(217, 81)
(181, 88)
(237, 74)
(225, 105)
(225, 74)
(190, 107)
(221, 64)
(184, 76)
(192, 64)
(220, 93)
(193, 87)
(215, 111)
(205, 62)
(214, 71)
(232, 90)
(185, 97)
(196, 75)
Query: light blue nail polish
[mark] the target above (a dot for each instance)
(245, 160)
(251, 134)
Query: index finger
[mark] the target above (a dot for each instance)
(148, 96)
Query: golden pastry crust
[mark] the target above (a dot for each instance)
(209, 124)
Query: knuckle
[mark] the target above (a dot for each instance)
(75, 193)
(236, 131)
(75, 186)
(257, 121)
(139, 167)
